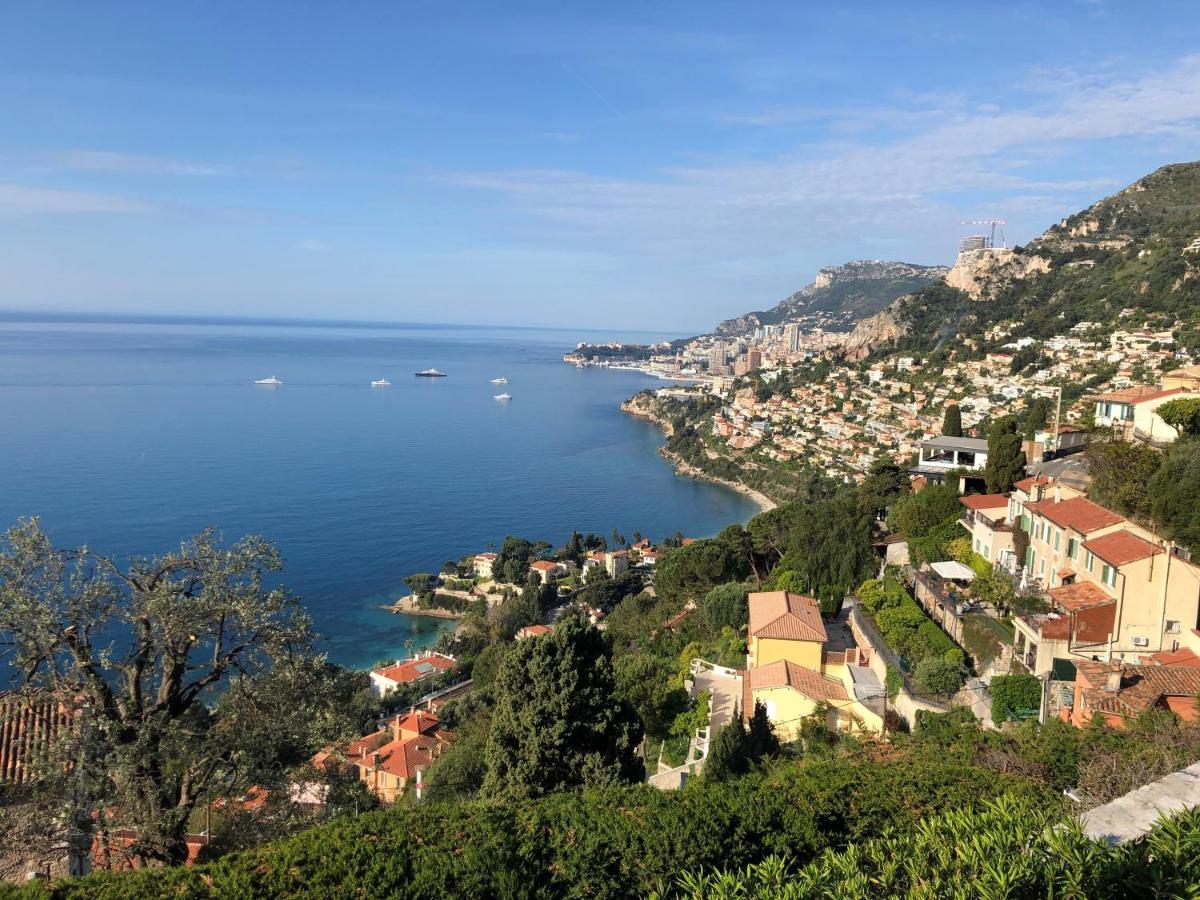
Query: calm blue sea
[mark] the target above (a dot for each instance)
(129, 437)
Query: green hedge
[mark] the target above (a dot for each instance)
(1005, 850)
(1012, 693)
(609, 843)
(902, 622)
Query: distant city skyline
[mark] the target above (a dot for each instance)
(633, 167)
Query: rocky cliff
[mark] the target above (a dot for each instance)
(975, 272)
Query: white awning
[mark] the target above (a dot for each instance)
(953, 571)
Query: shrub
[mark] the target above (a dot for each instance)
(1008, 849)
(608, 842)
(939, 676)
(1011, 693)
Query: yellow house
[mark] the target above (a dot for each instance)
(785, 626)
(789, 672)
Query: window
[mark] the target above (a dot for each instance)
(1029, 558)
(1172, 626)
(1042, 568)
(1057, 538)
(1073, 549)
(1090, 561)
(1108, 575)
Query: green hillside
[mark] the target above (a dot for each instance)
(1121, 262)
(844, 293)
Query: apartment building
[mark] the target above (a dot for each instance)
(1118, 592)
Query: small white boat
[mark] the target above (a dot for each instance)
(382, 382)
(500, 380)
(503, 397)
(271, 381)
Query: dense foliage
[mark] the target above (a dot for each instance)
(910, 633)
(613, 842)
(557, 723)
(1013, 694)
(1014, 850)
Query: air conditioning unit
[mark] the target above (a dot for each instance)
(1141, 642)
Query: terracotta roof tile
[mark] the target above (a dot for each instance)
(781, 614)
(984, 501)
(417, 668)
(1185, 659)
(1141, 687)
(1026, 485)
(29, 726)
(1121, 547)
(1078, 513)
(785, 673)
(1080, 595)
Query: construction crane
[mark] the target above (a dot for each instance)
(993, 223)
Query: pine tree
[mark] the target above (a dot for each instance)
(952, 421)
(557, 724)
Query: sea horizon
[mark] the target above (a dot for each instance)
(129, 436)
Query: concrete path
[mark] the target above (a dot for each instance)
(1128, 818)
(726, 693)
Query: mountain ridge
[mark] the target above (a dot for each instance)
(840, 294)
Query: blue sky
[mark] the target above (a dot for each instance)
(658, 165)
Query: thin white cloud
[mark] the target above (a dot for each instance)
(867, 185)
(22, 200)
(312, 246)
(106, 161)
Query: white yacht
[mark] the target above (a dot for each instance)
(382, 382)
(271, 381)
(430, 373)
(503, 397)
(500, 380)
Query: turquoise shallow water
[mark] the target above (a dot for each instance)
(129, 436)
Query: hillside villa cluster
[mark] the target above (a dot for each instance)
(839, 425)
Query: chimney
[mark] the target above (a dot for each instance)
(375, 757)
(1113, 682)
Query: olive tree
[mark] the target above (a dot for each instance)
(138, 651)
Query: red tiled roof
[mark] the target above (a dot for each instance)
(544, 566)
(29, 726)
(781, 614)
(1078, 513)
(785, 673)
(1027, 485)
(1141, 687)
(984, 501)
(1185, 659)
(417, 668)
(533, 631)
(485, 555)
(1121, 547)
(418, 721)
(1080, 595)
(1066, 573)
(1126, 395)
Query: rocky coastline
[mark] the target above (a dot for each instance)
(639, 409)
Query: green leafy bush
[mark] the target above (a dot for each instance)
(1012, 693)
(610, 842)
(1008, 849)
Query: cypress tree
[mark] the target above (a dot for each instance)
(952, 421)
(1006, 457)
